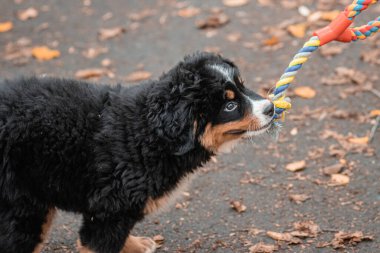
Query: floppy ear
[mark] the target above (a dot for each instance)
(171, 116)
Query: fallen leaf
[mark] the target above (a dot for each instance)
(233, 37)
(359, 140)
(188, 12)
(238, 206)
(91, 52)
(271, 41)
(299, 198)
(44, 53)
(333, 169)
(105, 34)
(265, 2)
(214, 21)
(138, 76)
(329, 51)
(339, 180)
(159, 240)
(374, 113)
(305, 92)
(140, 16)
(341, 239)
(308, 228)
(286, 237)
(263, 248)
(298, 30)
(6, 26)
(29, 13)
(235, 3)
(329, 15)
(296, 166)
(90, 73)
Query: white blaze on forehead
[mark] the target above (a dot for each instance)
(226, 72)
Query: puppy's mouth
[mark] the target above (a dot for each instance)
(250, 131)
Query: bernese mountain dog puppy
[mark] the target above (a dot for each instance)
(114, 154)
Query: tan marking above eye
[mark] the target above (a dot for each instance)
(214, 136)
(230, 94)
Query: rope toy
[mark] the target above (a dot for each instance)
(339, 29)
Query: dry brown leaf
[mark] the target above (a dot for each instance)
(138, 76)
(105, 34)
(263, 248)
(296, 166)
(305, 92)
(359, 140)
(329, 51)
(286, 237)
(299, 198)
(188, 12)
(333, 169)
(159, 240)
(91, 52)
(90, 73)
(271, 41)
(265, 2)
(6, 26)
(297, 30)
(374, 113)
(44, 53)
(341, 239)
(329, 15)
(235, 3)
(140, 16)
(233, 37)
(238, 206)
(29, 13)
(307, 228)
(339, 179)
(214, 21)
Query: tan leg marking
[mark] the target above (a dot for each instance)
(215, 136)
(45, 229)
(139, 245)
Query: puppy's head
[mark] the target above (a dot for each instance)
(206, 104)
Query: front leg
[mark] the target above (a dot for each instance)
(139, 245)
(111, 235)
(104, 235)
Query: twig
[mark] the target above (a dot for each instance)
(373, 130)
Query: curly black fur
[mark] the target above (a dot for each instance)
(98, 150)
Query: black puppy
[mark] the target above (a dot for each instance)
(114, 154)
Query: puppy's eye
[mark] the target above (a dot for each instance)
(230, 107)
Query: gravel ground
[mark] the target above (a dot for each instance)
(319, 131)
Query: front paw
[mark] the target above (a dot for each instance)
(136, 244)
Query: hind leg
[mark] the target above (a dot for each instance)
(23, 226)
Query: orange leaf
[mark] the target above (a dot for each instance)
(271, 41)
(235, 3)
(374, 113)
(298, 30)
(329, 15)
(138, 76)
(189, 12)
(296, 166)
(359, 140)
(305, 92)
(6, 26)
(45, 53)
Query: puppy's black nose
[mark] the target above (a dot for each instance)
(269, 110)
